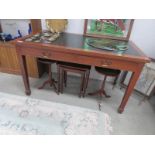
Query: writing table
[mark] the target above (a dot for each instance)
(74, 48)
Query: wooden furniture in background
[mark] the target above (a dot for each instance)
(36, 25)
(8, 57)
(72, 48)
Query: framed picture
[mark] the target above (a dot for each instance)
(108, 28)
(146, 83)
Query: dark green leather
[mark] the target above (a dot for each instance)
(108, 71)
(75, 65)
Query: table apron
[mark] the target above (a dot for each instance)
(81, 59)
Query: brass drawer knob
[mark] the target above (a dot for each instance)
(106, 62)
(46, 54)
(104, 65)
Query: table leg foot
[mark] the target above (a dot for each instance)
(120, 110)
(28, 92)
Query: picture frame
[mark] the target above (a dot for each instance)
(119, 29)
(146, 83)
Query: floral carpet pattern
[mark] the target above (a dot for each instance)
(29, 116)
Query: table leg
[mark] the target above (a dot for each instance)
(130, 88)
(23, 66)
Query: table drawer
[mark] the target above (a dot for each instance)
(78, 59)
(81, 59)
(94, 61)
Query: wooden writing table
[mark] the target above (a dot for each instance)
(73, 48)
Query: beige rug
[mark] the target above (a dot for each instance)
(26, 115)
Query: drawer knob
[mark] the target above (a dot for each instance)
(46, 54)
(104, 65)
(106, 62)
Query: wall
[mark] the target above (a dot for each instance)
(74, 26)
(143, 34)
(11, 26)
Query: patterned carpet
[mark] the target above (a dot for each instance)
(25, 115)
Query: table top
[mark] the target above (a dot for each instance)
(80, 42)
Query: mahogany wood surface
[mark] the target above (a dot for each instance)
(70, 48)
